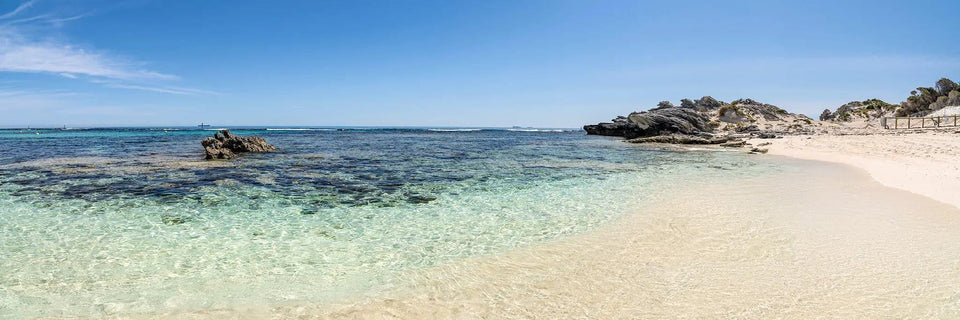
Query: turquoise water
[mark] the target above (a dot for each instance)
(103, 222)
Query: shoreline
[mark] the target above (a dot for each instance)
(835, 228)
(924, 163)
(824, 239)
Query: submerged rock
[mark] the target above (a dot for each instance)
(173, 220)
(734, 144)
(420, 199)
(680, 139)
(226, 146)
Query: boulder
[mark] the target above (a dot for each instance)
(225, 146)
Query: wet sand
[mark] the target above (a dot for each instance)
(819, 240)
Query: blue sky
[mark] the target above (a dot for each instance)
(453, 63)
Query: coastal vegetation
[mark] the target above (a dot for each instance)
(921, 102)
(925, 100)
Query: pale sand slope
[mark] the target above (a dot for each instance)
(923, 163)
(817, 240)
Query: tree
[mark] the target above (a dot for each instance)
(944, 86)
(826, 115)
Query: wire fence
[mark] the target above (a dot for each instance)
(920, 122)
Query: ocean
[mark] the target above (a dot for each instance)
(131, 221)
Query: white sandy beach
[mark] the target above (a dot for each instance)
(924, 163)
(825, 240)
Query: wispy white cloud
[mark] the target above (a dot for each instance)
(20, 8)
(162, 89)
(21, 52)
(17, 56)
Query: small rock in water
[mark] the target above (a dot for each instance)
(420, 199)
(308, 211)
(171, 220)
(225, 146)
(758, 150)
(325, 234)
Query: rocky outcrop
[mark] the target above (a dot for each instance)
(670, 120)
(224, 145)
(619, 127)
(704, 121)
(660, 121)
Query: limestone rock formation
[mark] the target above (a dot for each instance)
(704, 116)
(224, 146)
(659, 121)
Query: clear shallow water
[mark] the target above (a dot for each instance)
(127, 221)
